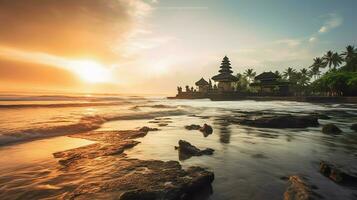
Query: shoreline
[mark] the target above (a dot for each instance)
(100, 169)
(311, 99)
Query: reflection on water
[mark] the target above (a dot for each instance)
(248, 162)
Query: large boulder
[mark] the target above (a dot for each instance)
(331, 129)
(354, 127)
(283, 121)
(186, 150)
(206, 130)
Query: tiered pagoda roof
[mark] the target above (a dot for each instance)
(201, 82)
(225, 73)
(266, 76)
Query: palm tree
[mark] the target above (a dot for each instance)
(350, 53)
(289, 73)
(332, 59)
(304, 77)
(316, 66)
(278, 74)
(250, 74)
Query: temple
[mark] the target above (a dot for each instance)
(225, 86)
(225, 78)
(268, 83)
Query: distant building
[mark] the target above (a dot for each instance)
(203, 85)
(269, 83)
(225, 78)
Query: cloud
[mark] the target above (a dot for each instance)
(333, 21)
(290, 42)
(312, 39)
(80, 28)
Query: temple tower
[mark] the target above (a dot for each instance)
(225, 78)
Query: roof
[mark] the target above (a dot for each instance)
(271, 83)
(266, 76)
(201, 82)
(225, 77)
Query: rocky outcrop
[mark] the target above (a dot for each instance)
(298, 189)
(147, 129)
(354, 127)
(331, 129)
(187, 150)
(107, 176)
(206, 130)
(283, 121)
(337, 175)
(193, 127)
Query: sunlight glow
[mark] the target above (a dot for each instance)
(90, 71)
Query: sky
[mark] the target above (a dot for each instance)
(153, 46)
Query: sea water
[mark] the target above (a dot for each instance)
(248, 162)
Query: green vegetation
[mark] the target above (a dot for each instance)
(338, 79)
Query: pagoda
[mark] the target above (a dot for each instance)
(203, 85)
(225, 78)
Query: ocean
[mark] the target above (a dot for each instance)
(248, 162)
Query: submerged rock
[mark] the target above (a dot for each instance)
(331, 129)
(206, 130)
(321, 116)
(337, 175)
(193, 127)
(298, 189)
(284, 121)
(354, 127)
(187, 150)
(147, 129)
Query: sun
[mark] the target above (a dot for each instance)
(91, 71)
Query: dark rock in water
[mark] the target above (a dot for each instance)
(163, 124)
(354, 127)
(284, 121)
(186, 150)
(127, 178)
(337, 175)
(321, 116)
(206, 130)
(147, 129)
(193, 127)
(138, 194)
(298, 189)
(331, 129)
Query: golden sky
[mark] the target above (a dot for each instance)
(151, 46)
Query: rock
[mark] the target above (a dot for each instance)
(206, 130)
(186, 150)
(298, 189)
(138, 194)
(337, 175)
(193, 127)
(331, 129)
(321, 116)
(126, 178)
(147, 129)
(354, 127)
(283, 121)
(163, 124)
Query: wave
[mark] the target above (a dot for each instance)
(62, 105)
(87, 123)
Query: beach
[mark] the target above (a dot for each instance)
(73, 147)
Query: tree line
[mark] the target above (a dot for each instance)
(333, 74)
